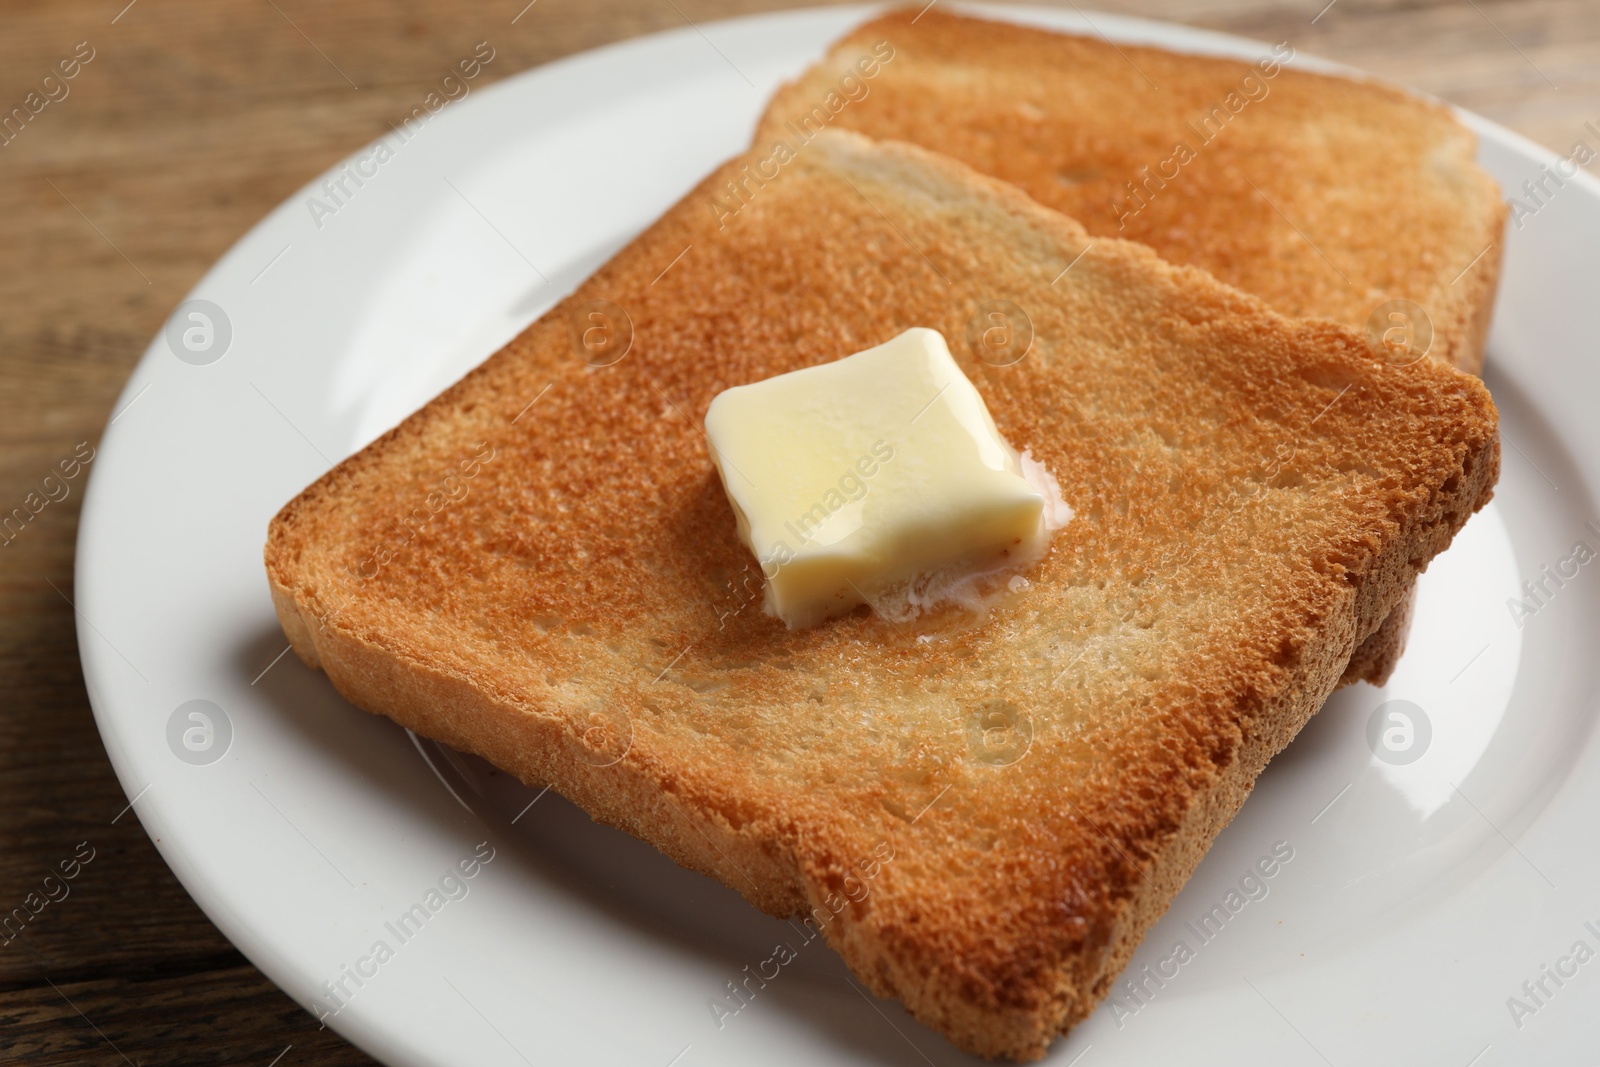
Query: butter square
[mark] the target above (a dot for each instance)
(853, 478)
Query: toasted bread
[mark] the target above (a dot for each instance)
(981, 813)
(1324, 196)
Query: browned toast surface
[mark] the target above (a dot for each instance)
(1324, 196)
(982, 815)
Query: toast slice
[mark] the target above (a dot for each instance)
(982, 814)
(1326, 197)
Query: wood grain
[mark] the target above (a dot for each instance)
(194, 119)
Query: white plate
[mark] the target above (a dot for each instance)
(1420, 897)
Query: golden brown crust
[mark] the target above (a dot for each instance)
(1375, 658)
(981, 814)
(1475, 309)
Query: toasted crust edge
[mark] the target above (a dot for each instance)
(1470, 334)
(1375, 658)
(631, 795)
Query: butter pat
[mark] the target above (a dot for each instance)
(875, 478)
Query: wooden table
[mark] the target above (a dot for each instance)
(191, 120)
